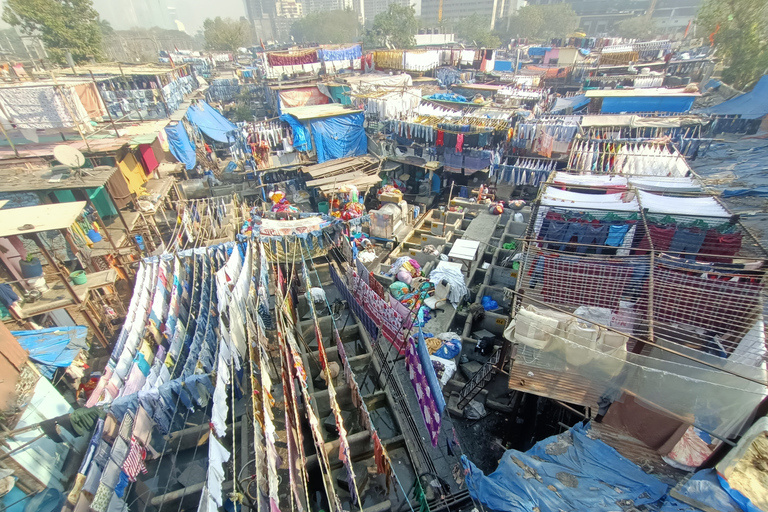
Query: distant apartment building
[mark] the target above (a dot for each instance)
(598, 17)
(434, 11)
(373, 7)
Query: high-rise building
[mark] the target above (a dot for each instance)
(434, 11)
(599, 17)
(261, 15)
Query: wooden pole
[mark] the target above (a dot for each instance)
(57, 88)
(100, 221)
(447, 208)
(51, 261)
(98, 91)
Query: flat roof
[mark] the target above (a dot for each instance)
(625, 93)
(319, 111)
(20, 180)
(45, 217)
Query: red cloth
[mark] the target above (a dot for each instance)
(292, 59)
(440, 136)
(459, 142)
(148, 158)
(716, 244)
(660, 236)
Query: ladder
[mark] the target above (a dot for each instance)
(478, 381)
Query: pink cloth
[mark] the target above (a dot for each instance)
(459, 142)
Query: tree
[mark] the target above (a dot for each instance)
(327, 27)
(106, 29)
(638, 27)
(739, 29)
(225, 35)
(541, 22)
(396, 26)
(60, 24)
(476, 30)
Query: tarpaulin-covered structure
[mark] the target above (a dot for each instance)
(339, 137)
(571, 471)
(56, 347)
(301, 137)
(209, 121)
(181, 146)
(750, 105)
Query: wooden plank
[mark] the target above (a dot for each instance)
(359, 182)
(332, 179)
(563, 386)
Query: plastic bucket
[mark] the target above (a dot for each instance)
(322, 206)
(78, 277)
(94, 236)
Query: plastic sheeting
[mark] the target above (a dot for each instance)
(703, 488)
(181, 146)
(751, 105)
(339, 137)
(301, 137)
(53, 348)
(717, 402)
(568, 472)
(573, 103)
(211, 123)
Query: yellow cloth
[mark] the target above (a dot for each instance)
(146, 351)
(433, 344)
(133, 173)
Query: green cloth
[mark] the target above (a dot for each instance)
(511, 246)
(102, 202)
(85, 418)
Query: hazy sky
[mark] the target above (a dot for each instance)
(192, 13)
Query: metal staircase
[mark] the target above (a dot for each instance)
(483, 376)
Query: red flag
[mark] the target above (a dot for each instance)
(687, 29)
(713, 34)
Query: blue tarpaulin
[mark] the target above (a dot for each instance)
(634, 104)
(182, 147)
(538, 51)
(750, 105)
(502, 65)
(757, 191)
(429, 372)
(301, 138)
(569, 472)
(53, 348)
(339, 137)
(211, 123)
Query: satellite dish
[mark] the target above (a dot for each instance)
(69, 156)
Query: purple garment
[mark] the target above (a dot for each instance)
(427, 403)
